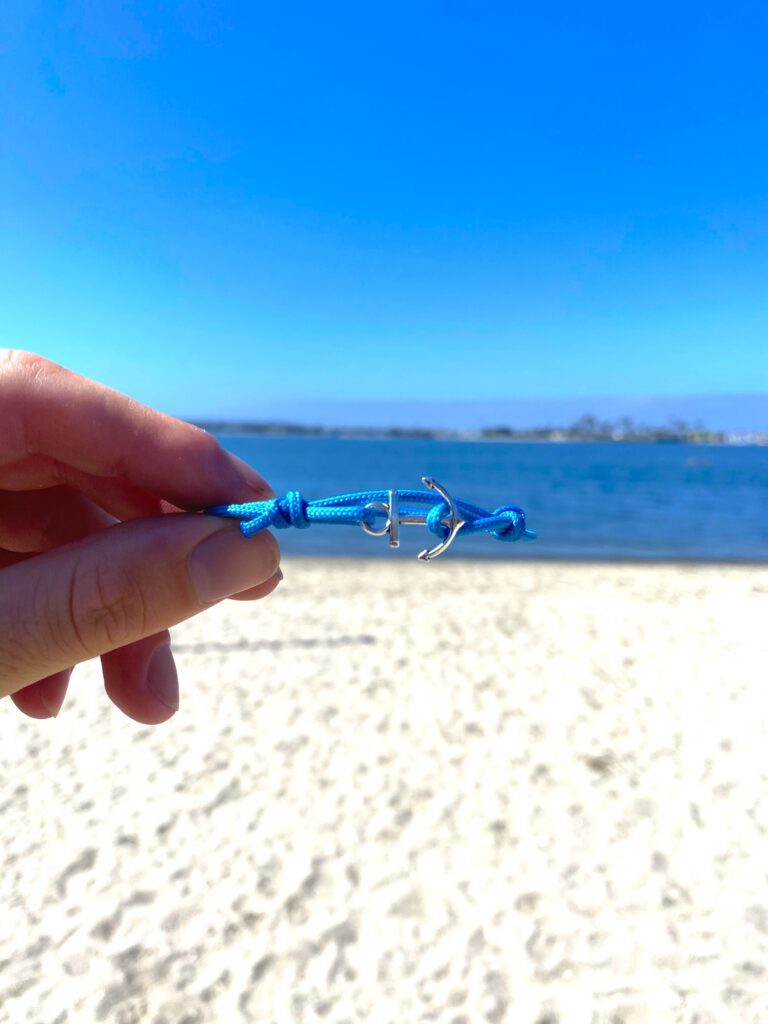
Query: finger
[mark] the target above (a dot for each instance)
(141, 679)
(120, 498)
(40, 520)
(29, 472)
(262, 590)
(118, 586)
(44, 698)
(49, 410)
(11, 558)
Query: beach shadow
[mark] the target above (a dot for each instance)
(293, 643)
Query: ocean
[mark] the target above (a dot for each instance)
(646, 502)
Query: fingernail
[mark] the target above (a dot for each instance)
(253, 480)
(227, 563)
(162, 680)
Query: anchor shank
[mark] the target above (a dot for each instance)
(393, 519)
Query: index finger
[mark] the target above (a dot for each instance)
(46, 409)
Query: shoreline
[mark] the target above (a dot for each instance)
(544, 560)
(472, 438)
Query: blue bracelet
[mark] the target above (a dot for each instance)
(446, 518)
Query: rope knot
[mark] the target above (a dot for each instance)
(512, 525)
(434, 520)
(292, 510)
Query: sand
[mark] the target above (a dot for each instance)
(464, 792)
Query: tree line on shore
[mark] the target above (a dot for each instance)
(586, 428)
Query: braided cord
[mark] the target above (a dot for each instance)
(506, 523)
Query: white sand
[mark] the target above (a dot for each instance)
(397, 793)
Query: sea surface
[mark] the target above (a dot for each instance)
(586, 501)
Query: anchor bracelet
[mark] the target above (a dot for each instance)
(446, 518)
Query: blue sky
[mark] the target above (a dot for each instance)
(218, 207)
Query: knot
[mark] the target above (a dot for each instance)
(279, 513)
(510, 522)
(505, 523)
(434, 520)
(290, 510)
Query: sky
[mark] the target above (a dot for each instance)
(230, 208)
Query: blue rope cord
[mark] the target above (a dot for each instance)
(505, 523)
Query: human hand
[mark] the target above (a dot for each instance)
(91, 563)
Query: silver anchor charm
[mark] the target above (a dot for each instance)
(395, 520)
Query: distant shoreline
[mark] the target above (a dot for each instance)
(580, 433)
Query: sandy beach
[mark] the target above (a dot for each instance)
(462, 793)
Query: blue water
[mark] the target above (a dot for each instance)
(586, 501)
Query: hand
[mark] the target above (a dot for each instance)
(91, 563)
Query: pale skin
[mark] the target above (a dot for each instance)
(100, 552)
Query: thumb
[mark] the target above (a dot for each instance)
(118, 586)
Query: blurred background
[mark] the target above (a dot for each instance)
(491, 230)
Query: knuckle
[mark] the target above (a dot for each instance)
(21, 373)
(28, 365)
(107, 607)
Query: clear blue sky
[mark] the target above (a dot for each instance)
(209, 204)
